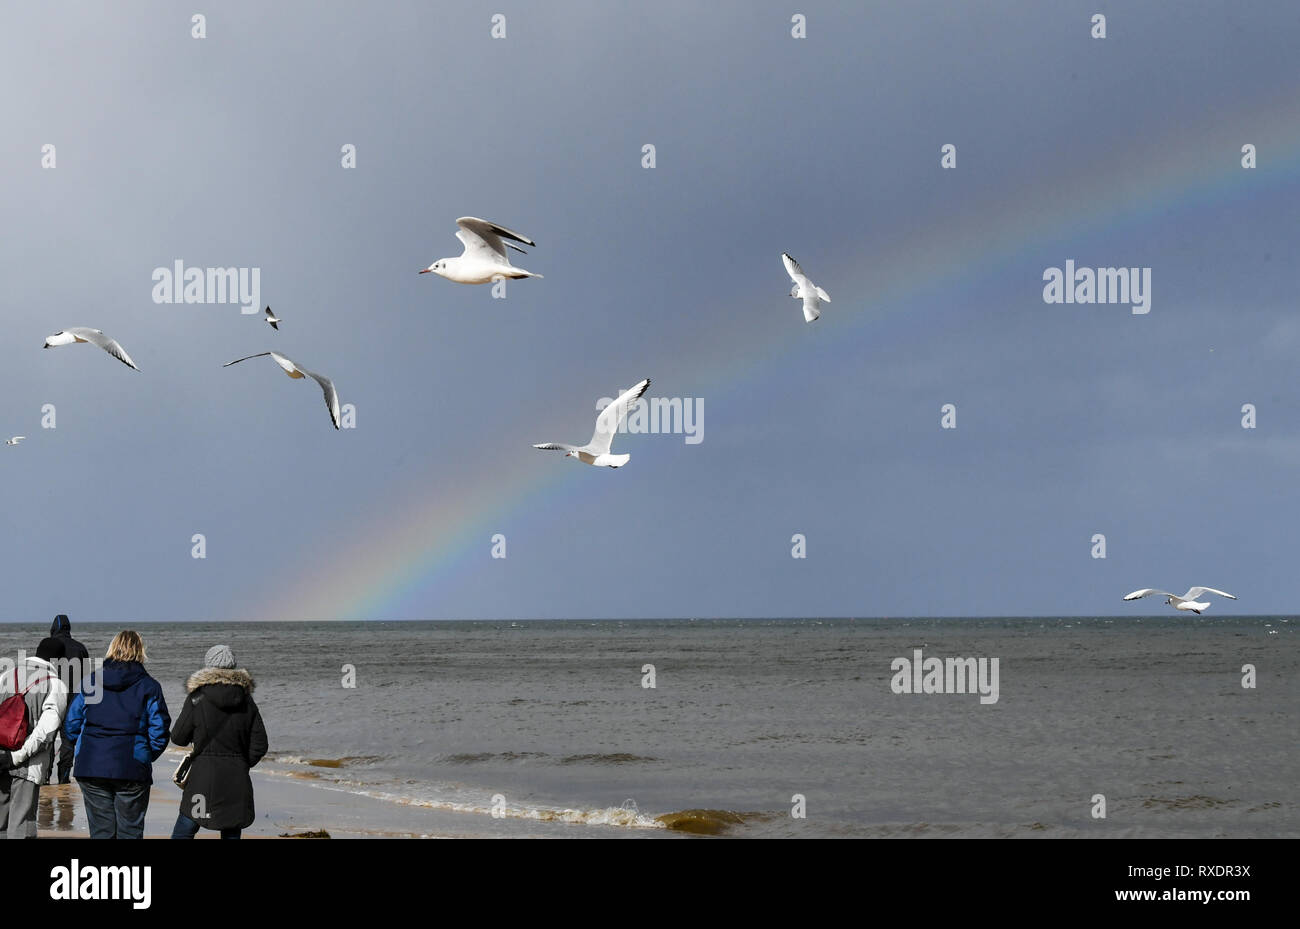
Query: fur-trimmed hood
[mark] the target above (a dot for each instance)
(236, 676)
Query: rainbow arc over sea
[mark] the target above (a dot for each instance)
(391, 568)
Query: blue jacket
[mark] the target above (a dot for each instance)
(121, 735)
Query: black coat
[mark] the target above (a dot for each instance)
(220, 717)
(61, 629)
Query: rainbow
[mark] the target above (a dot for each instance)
(392, 569)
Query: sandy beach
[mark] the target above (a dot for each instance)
(287, 806)
(293, 804)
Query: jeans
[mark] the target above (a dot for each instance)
(114, 809)
(187, 828)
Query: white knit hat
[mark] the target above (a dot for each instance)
(219, 656)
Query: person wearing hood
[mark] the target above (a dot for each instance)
(73, 650)
(117, 738)
(225, 725)
(23, 769)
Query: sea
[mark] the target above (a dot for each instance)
(690, 729)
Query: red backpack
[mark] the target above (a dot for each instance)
(13, 716)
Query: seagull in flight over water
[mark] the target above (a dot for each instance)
(1187, 602)
(596, 452)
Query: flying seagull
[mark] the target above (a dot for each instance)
(1186, 602)
(15, 440)
(95, 337)
(294, 370)
(812, 295)
(272, 319)
(596, 452)
(484, 258)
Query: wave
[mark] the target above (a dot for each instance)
(601, 816)
(466, 758)
(612, 758)
(344, 762)
(1196, 802)
(691, 822)
(709, 822)
(478, 757)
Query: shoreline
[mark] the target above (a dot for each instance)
(289, 804)
(286, 807)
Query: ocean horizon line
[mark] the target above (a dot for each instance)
(674, 619)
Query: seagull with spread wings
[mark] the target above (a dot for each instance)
(94, 337)
(484, 258)
(812, 296)
(295, 370)
(596, 452)
(1187, 602)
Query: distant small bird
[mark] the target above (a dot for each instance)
(15, 440)
(273, 320)
(812, 295)
(93, 336)
(484, 258)
(297, 371)
(596, 452)
(1187, 602)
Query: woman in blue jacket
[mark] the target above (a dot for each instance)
(118, 725)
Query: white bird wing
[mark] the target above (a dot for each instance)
(1197, 591)
(95, 337)
(483, 239)
(1148, 591)
(331, 395)
(610, 417)
(295, 370)
(557, 447)
(796, 273)
(245, 358)
(289, 366)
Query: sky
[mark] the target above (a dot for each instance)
(1071, 420)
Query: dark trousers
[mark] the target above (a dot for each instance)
(187, 828)
(114, 809)
(66, 752)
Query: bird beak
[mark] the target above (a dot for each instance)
(425, 270)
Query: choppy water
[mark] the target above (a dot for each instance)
(553, 718)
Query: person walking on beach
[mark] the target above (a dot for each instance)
(225, 725)
(23, 768)
(73, 651)
(117, 738)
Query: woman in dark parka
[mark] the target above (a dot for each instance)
(223, 722)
